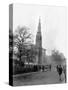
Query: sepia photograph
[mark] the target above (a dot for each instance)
(37, 44)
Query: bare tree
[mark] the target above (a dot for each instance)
(58, 57)
(22, 38)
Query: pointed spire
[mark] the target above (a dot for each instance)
(39, 19)
(39, 25)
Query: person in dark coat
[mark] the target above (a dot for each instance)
(50, 67)
(43, 68)
(59, 70)
(64, 71)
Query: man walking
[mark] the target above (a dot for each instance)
(59, 70)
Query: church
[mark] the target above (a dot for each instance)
(40, 58)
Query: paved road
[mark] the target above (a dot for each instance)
(49, 77)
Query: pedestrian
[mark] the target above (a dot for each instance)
(59, 70)
(43, 68)
(64, 71)
(50, 67)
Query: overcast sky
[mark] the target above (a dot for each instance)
(53, 24)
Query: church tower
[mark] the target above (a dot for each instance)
(39, 43)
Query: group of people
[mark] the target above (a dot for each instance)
(61, 69)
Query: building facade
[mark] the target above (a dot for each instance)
(41, 53)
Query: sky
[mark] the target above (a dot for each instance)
(53, 24)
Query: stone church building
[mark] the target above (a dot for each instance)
(41, 52)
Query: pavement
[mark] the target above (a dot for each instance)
(37, 78)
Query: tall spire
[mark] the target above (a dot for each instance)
(39, 25)
(39, 42)
(38, 35)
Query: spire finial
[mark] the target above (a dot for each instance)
(39, 18)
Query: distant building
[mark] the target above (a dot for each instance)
(41, 53)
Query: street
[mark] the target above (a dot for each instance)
(37, 78)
